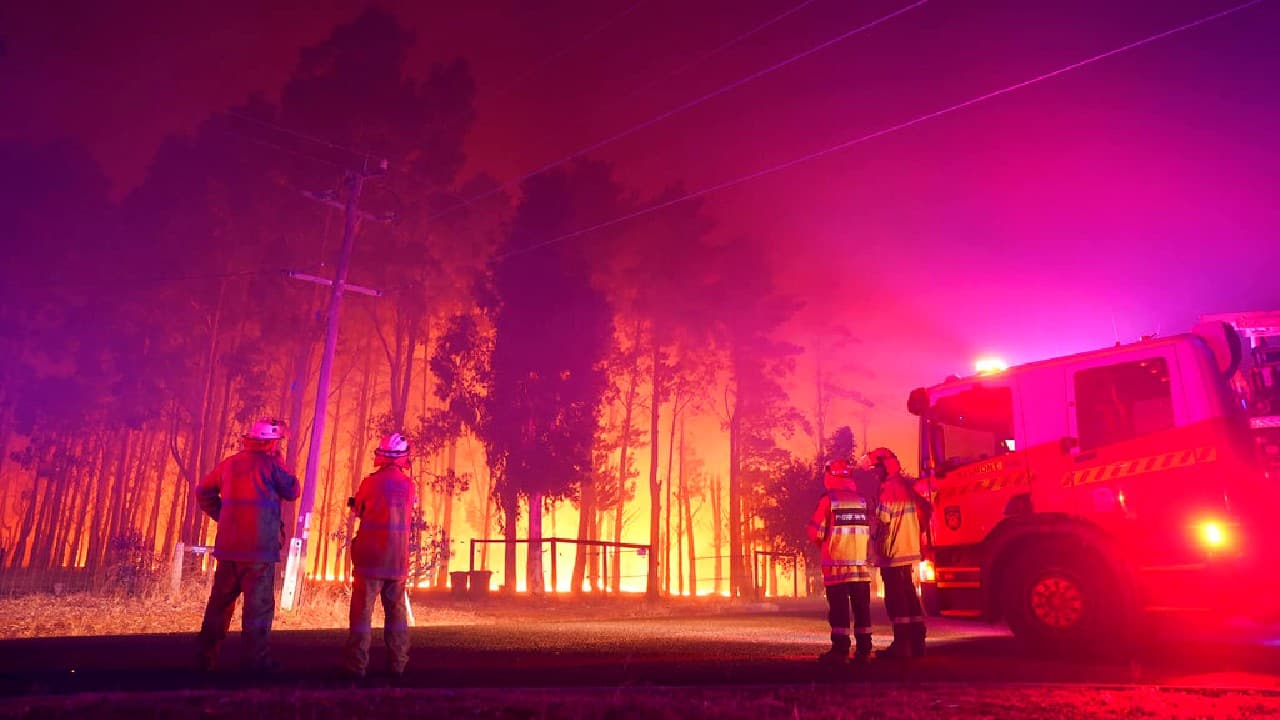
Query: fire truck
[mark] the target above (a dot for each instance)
(1257, 382)
(1075, 496)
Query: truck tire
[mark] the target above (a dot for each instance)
(1061, 598)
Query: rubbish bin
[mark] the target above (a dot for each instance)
(458, 583)
(480, 583)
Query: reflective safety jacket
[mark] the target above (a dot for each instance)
(841, 526)
(384, 503)
(899, 520)
(243, 495)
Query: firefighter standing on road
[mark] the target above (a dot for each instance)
(900, 516)
(380, 556)
(841, 527)
(243, 495)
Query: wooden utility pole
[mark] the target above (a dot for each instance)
(295, 565)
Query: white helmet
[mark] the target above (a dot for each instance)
(393, 446)
(265, 429)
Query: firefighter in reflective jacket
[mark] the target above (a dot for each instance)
(841, 526)
(900, 515)
(243, 495)
(384, 504)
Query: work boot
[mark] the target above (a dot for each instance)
(900, 648)
(917, 639)
(862, 648)
(839, 652)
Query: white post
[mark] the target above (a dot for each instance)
(175, 572)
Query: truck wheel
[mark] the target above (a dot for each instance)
(1057, 599)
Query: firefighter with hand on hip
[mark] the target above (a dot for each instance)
(243, 495)
(384, 503)
(841, 527)
(900, 515)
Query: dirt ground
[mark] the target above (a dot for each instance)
(609, 658)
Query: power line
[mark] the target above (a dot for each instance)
(685, 106)
(300, 135)
(712, 52)
(281, 148)
(880, 133)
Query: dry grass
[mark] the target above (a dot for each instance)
(84, 614)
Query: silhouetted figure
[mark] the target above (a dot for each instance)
(841, 527)
(243, 494)
(380, 557)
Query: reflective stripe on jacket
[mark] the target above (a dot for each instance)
(243, 495)
(384, 503)
(841, 526)
(898, 524)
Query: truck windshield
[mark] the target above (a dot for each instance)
(970, 426)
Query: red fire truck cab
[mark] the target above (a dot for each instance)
(1074, 495)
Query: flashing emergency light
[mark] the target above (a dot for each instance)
(926, 572)
(989, 366)
(1213, 535)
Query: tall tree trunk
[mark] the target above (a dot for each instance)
(533, 558)
(586, 517)
(400, 363)
(740, 581)
(118, 500)
(152, 533)
(191, 521)
(132, 516)
(72, 518)
(488, 504)
(42, 542)
(6, 433)
(687, 502)
(28, 522)
(717, 525)
(510, 512)
(735, 506)
(170, 527)
(624, 464)
(655, 488)
(297, 440)
(55, 535)
(326, 506)
(666, 546)
(359, 444)
(446, 525)
(101, 508)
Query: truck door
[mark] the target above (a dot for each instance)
(977, 464)
(1125, 414)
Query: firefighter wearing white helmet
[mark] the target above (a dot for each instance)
(243, 495)
(841, 528)
(900, 514)
(384, 504)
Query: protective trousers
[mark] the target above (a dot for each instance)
(841, 598)
(231, 578)
(903, 607)
(395, 633)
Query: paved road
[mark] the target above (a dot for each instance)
(560, 648)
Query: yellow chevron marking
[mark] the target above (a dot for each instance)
(1141, 466)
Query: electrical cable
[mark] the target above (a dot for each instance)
(682, 107)
(880, 133)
